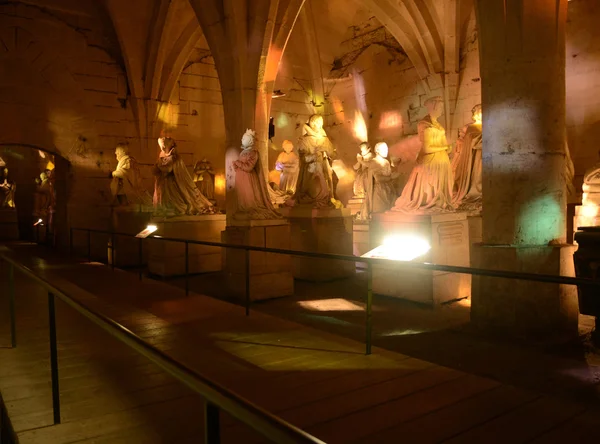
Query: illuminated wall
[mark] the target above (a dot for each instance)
(64, 91)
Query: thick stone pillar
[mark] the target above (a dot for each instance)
(522, 52)
(247, 39)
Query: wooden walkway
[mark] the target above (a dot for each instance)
(320, 382)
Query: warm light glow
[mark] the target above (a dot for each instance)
(331, 305)
(42, 154)
(220, 184)
(147, 232)
(360, 128)
(390, 119)
(39, 221)
(403, 247)
(588, 210)
(50, 165)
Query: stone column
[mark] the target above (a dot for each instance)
(522, 53)
(247, 39)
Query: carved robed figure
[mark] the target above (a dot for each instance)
(253, 200)
(466, 164)
(174, 191)
(360, 168)
(316, 181)
(429, 186)
(126, 185)
(287, 164)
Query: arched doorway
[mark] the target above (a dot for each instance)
(39, 176)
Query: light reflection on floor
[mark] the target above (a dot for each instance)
(337, 304)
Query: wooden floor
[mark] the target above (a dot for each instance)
(318, 381)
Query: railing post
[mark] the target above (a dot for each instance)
(11, 299)
(70, 241)
(112, 250)
(53, 359)
(212, 427)
(247, 276)
(187, 266)
(369, 308)
(141, 257)
(89, 239)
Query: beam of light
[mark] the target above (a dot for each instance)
(400, 247)
(337, 304)
(39, 221)
(359, 92)
(360, 127)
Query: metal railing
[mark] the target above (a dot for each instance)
(370, 262)
(216, 397)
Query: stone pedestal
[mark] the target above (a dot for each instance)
(320, 231)
(127, 249)
(361, 242)
(168, 258)
(522, 308)
(448, 235)
(354, 204)
(9, 224)
(270, 274)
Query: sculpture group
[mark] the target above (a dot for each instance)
(437, 183)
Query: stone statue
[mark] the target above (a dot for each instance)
(591, 186)
(126, 185)
(253, 201)
(288, 164)
(360, 167)
(316, 180)
(204, 178)
(466, 165)
(44, 198)
(429, 186)
(174, 191)
(7, 187)
(380, 192)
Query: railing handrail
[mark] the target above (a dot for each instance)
(535, 277)
(262, 421)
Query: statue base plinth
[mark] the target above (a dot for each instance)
(9, 224)
(354, 204)
(270, 274)
(448, 236)
(522, 309)
(325, 230)
(128, 220)
(168, 258)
